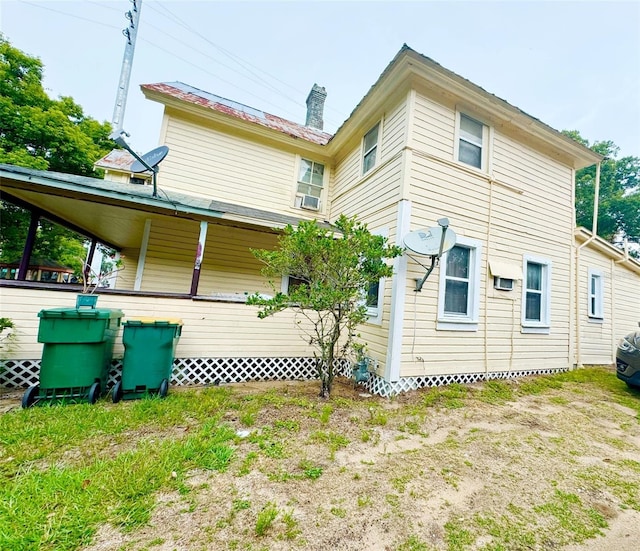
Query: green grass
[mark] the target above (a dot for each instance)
(66, 470)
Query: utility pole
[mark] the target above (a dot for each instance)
(130, 34)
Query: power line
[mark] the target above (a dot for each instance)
(170, 16)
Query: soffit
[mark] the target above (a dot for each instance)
(115, 213)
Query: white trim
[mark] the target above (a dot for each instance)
(143, 254)
(468, 321)
(596, 314)
(398, 296)
(544, 325)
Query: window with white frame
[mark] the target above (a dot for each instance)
(536, 295)
(459, 292)
(472, 136)
(370, 148)
(310, 184)
(595, 295)
(375, 292)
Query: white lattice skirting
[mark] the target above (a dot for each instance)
(212, 371)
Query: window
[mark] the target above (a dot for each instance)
(370, 149)
(375, 293)
(471, 136)
(536, 297)
(310, 183)
(289, 283)
(459, 294)
(595, 295)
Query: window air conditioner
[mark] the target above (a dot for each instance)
(310, 202)
(503, 283)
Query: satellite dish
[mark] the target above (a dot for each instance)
(153, 158)
(427, 241)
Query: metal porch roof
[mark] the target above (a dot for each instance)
(115, 213)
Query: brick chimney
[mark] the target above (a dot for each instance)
(315, 107)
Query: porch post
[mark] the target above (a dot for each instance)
(195, 278)
(86, 270)
(28, 246)
(142, 257)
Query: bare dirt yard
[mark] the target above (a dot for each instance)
(508, 466)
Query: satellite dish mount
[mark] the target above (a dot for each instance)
(149, 161)
(433, 242)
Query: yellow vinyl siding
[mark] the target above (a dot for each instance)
(434, 128)
(394, 131)
(211, 329)
(227, 168)
(170, 256)
(523, 207)
(229, 266)
(374, 199)
(208, 162)
(620, 305)
(626, 306)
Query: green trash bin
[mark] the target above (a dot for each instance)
(149, 348)
(76, 356)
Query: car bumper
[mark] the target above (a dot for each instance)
(628, 368)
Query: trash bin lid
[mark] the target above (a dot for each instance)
(68, 313)
(153, 321)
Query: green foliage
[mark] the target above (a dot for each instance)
(336, 268)
(619, 197)
(265, 519)
(7, 335)
(45, 134)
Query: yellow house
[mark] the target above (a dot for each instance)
(424, 144)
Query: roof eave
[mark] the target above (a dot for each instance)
(583, 235)
(408, 63)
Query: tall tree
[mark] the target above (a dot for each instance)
(335, 273)
(619, 197)
(46, 134)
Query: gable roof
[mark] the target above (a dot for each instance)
(407, 62)
(184, 92)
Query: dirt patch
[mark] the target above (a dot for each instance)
(359, 472)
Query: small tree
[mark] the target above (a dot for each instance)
(335, 269)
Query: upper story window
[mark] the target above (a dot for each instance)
(370, 148)
(536, 299)
(595, 295)
(459, 293)
(310, 184)
(472, 137)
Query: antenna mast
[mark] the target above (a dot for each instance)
(130, 33)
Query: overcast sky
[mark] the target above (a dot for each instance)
(573, 65)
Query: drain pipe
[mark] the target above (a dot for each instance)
(594, 234)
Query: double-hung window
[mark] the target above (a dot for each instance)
(471, 142)
(595, 295)
(536, 295)
(370, 149)
(310, 183)
(459, 293)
